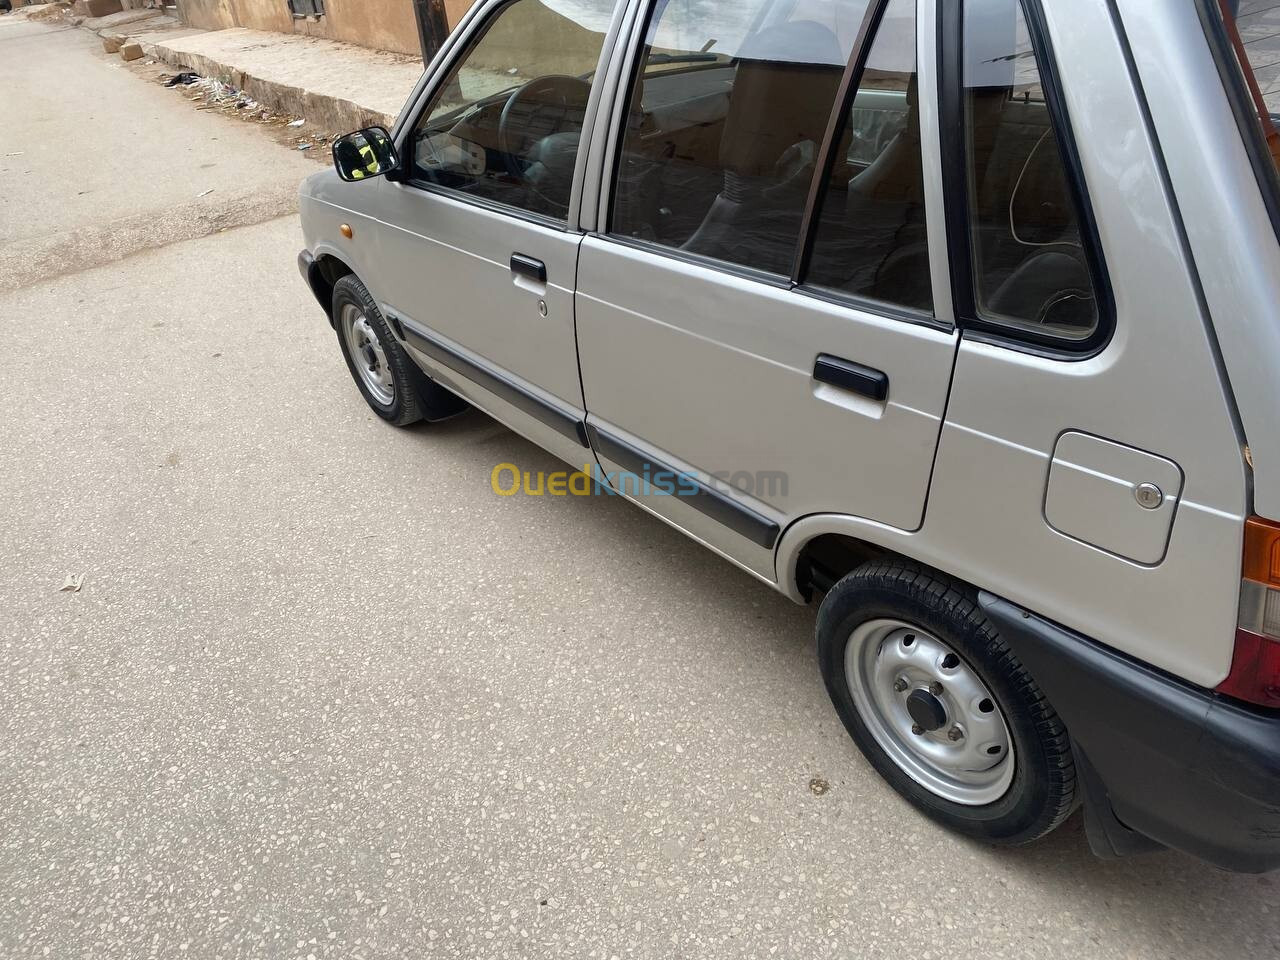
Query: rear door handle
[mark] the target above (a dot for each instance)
(531, 267)
(854, 377)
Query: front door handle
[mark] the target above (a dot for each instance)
(854, 377)
(530, 267)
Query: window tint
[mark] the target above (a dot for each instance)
(727, 112)
(1028, 255)
(506, 123)
(871, 237)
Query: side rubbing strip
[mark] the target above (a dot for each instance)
(755, 527)
(508, 390)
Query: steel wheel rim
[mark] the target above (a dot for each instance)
(886, 662)
(368, 355)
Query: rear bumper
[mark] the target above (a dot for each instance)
(1159, 759)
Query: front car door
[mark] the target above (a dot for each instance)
(478, 248)
(763, 324)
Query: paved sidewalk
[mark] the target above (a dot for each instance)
(337, 86)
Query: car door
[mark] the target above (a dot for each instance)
(761, 321)
(477, 253)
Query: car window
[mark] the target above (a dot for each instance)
(1030, 264)
(870, 237)
(724, 120)
(505, 124)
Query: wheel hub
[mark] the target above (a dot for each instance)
(926, 710)
(368, 355)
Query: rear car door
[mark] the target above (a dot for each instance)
(479, 244)
(763, 317)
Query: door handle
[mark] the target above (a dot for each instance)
(530, 267)
(854, 377)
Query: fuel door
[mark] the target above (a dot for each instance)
(1112, 496)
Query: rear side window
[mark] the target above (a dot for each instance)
(871, 239)
(1031, 268)
(729, 107)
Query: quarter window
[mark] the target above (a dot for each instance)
(725, 118)
(871, 238)
(505, 125)
(1030, 264)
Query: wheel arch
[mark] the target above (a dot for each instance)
(325, 271)
(817, 550)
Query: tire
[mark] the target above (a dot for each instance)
(910, 661)
(381, 369)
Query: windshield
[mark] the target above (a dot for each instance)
(1253, 31)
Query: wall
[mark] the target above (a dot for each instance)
(536, 35)
(379, 24)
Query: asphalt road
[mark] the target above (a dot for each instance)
(324, 694)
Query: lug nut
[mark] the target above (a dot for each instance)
(917, 729)
(935, 688)
(954, 734)
(900, 685)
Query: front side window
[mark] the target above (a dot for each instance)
(505, 125)
(728, 109)
(871, 238)
(1031, 269)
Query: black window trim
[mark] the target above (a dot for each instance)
(1243, 108)
(955, 188)
(843, 104)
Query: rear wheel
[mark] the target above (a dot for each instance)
(940, 706)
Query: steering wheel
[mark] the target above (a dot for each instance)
(539, 109)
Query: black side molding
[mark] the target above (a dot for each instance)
(742, 520)
(530, 267)
(516, 395)
(854, 377)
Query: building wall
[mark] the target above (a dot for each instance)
(379, 24)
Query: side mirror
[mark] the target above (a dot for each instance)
(365, 154)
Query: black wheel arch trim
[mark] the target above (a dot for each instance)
(1163, 759)
(565, 423)
(312, 272)
(754, 526)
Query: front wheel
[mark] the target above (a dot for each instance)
(378, 364)
(940, 706)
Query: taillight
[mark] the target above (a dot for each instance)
(1255, 666)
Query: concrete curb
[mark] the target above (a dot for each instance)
(324, 110)
(158, 37)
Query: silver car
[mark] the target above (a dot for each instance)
(959, 319)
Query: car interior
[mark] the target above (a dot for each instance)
(1030, 259)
